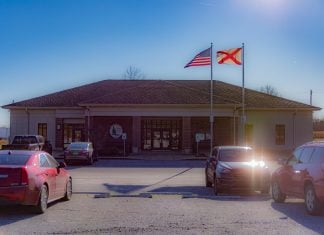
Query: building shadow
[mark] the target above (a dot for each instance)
(112, 163)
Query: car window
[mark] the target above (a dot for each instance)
(235, 155)
(43, 162)
(306, 155)
(13, 159)
(294, 158)
(318, 155)
(53, 163)
(78, 146)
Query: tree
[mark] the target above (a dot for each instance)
(133, 73)
(270, 90)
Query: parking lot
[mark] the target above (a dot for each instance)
(157, 197)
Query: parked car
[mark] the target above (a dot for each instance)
(33, 178)
(80, 151)
(26, 142)
(236, 168)
(302, 176)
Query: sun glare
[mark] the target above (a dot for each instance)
(273, 9)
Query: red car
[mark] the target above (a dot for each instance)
(33, 178)
(302, 176)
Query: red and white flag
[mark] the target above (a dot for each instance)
(231, 56)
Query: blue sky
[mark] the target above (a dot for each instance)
(48, 46)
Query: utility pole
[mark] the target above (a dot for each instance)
(311, 97)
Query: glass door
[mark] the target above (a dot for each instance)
(156, 139)
(165, 139)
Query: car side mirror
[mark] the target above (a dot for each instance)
(62, 165)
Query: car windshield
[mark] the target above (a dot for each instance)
(13, 159)
(25, 140)
(78, 146)
(235, 155)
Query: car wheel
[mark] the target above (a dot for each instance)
(42, 201)
(277, 194)
(208, 183)
(216, 191)
(68, 192)
(312, 203)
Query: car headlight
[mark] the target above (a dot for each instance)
(255, 163)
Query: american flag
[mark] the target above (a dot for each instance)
(201, 59)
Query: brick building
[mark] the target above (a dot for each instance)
(162, 115)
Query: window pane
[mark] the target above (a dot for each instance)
(280, 134)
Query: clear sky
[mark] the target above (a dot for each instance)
(48, 46)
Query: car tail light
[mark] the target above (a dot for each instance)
(24, 176)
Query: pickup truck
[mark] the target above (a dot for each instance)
(28, 142)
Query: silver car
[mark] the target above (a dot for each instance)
(80, 151)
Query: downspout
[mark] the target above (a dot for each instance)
(234, 123)
(88, 123)
(294, 125)
(28, 119)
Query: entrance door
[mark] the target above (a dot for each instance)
(161, 139)
(156, 139)
(77, 135)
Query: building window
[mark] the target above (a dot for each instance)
(73, 133)
(280, 134)
(42, 129)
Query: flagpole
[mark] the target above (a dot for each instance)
(243, 98)
(211, 118)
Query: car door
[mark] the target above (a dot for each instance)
(60, 177)
(48, 174)
(287, 172)
(300, 171)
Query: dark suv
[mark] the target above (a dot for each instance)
(234, 168)
(302, 176)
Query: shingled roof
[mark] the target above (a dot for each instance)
(167, 92)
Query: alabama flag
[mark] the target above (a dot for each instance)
(231, 56)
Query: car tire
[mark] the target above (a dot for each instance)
(208, 183)
(277, 194)
(42, 201)
(312, 203)
(216, 189)
(68, 192)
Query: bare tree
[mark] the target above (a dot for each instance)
(133, 73)
(270, 90)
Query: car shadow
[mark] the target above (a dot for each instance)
(12, 213)
(297, 212)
